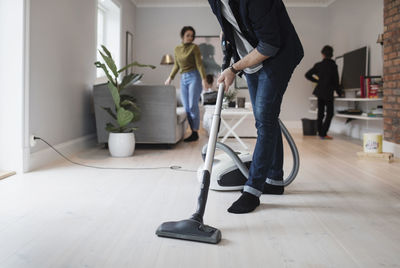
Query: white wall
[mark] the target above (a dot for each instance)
(354, 24)
(158, 32)
(163, 35)
(127, 24)
(357, 23)
(311, 25)
(11, 77)
(62, 53)
(62, 73)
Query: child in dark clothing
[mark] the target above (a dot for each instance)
(210, 82)
(325, 74)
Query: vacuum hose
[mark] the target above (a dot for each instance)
(242, 167)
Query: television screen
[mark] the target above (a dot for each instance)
(355, 64)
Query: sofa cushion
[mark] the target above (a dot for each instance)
(180, 114)
(178, 98)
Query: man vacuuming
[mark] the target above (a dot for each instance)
(265, 46)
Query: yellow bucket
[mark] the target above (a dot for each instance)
(372, 143)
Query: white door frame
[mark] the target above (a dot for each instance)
(26, 83)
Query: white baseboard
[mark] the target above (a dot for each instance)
(47, 156)
(391, 147)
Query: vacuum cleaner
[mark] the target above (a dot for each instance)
(231, 170)
(193, 228)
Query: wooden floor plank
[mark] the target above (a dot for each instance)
(5, 174)
(340, 211)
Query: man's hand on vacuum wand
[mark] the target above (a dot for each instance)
(226, 77)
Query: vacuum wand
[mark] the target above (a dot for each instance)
(193, 228)
(205, 185)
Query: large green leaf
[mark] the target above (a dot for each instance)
(124, 117)
(114, 94)
(136, 115)
(125, 81)
(137, 77)
(110, 63)
(104, 67)
(136, 64)
(128, 103)
(111, 128)
(129, 79)
(127, 129)
(106, 51)
(127, 97)
(110, 112)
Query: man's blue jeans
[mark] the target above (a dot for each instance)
(266, 92)
(190, 95)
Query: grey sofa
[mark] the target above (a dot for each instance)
(161, 121)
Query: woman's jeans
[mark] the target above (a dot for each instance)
(266, 94)
(190, 95)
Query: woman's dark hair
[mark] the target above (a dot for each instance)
(188, 28)
(327, 51)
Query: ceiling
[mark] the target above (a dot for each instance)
(198, 3)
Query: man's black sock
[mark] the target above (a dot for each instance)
(273, 189)
(245, 204)
(193, 137)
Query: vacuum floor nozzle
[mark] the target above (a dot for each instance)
(189, 230)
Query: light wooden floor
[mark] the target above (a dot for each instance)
(339, 212)
(4, 174)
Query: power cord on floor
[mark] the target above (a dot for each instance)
(174, 168)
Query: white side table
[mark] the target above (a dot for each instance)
(238, 115)
(233, 121)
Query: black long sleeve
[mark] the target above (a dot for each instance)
(310, 74)
(336, 82)
(328, 79)
(227, 51)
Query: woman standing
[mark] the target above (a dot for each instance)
(193, 78)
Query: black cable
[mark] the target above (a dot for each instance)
(174, 168)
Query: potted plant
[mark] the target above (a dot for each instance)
(121, 142)
(229, 97)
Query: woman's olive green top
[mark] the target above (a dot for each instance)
(188, 58)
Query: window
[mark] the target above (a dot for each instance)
(108, 30)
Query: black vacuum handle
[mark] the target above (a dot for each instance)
(202, 200)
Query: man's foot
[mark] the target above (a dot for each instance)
(326, 137)
(245, 204)
(193, 137)
(273, 189)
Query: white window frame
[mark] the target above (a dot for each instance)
(110, 25)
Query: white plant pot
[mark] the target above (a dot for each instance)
(121, 144)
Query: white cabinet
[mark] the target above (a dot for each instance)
(240, 119)
(364, 104)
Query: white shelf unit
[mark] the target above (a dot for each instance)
(359, 99)
(353, 100)
(358, 117)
